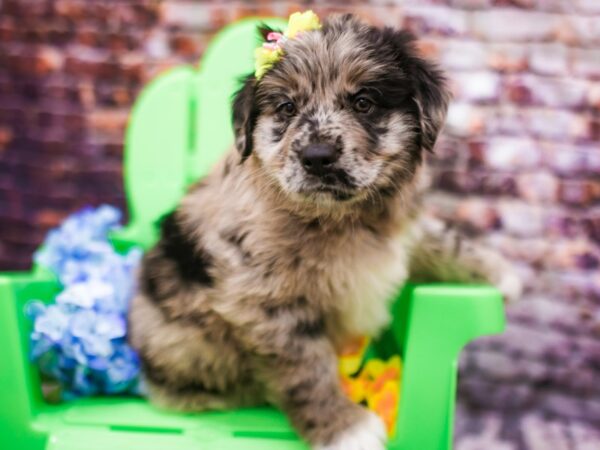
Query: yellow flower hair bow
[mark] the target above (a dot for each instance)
(271, 51)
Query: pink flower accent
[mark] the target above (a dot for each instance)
(274, 36)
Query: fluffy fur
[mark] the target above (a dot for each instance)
(267, 267)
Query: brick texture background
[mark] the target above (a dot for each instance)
(518, 165)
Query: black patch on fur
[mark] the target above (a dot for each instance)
(226, 168)
(301, 301)
(314, 224)
(372, 229)
(152, 282)
(275, 310)
(271, 311)
(153, 373)
(310, 425)
(148, 283)
(388, 191)
(236, 239)
(269, 270)
(278, 132)
(310, 328)
(192, 263)
(199, 319)
(194, 388)
(158, 376)
(298, 395)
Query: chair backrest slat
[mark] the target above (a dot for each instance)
(157, 150)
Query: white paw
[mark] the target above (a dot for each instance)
(368, 434)
(511, 286)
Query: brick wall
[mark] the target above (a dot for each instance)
(518, 165)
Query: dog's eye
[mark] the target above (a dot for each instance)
(287, 109)
(363, 105)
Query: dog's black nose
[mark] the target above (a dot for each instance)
(318, 159)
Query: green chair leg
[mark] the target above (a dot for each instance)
(20, 394)
(434, 322)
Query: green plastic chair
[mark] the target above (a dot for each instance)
(179, 127)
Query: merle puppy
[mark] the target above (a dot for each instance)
(298, 240)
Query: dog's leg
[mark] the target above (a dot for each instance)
(444, 254)
(296, 363)
(190, 363)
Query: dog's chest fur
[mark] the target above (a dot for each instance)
(365, 278)
(351, 274)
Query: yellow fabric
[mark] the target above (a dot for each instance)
(264, 58)
(298, 22)
(267, 55)
(377, 384)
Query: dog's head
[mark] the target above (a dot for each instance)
(346, 113)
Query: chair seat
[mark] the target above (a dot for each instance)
(130, 423)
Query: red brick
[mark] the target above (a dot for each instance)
(498, 184)
(436, 20)
(503, 153)
(465, 120)
(470, 4)
(463, 55)
(109, 121)
(580, 192)
(544, 91)
(477, 214)
(507, 120)
(538, 187)
(6, 136)
(532, 251)
(521, 219)
(188, 14)
(560, 125)
(481, 86)
(567, 159)
(537, 432)
(549, 59)
(514, 25)
(526, 4)
(587, 6)
(586, 63)
(507, 57)
(591, 225)
(567, 407)
(499, 366)
(581, 30)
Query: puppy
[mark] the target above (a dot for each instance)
(298, 240)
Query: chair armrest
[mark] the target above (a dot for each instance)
(433, 323)
(20, 393)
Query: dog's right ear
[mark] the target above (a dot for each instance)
(245, 109)
(245, 114)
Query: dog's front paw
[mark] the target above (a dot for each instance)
(510, 284)
(368, 434)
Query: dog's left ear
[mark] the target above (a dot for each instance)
(245, 114)
(431, 97)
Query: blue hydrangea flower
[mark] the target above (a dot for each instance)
(81, 339)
